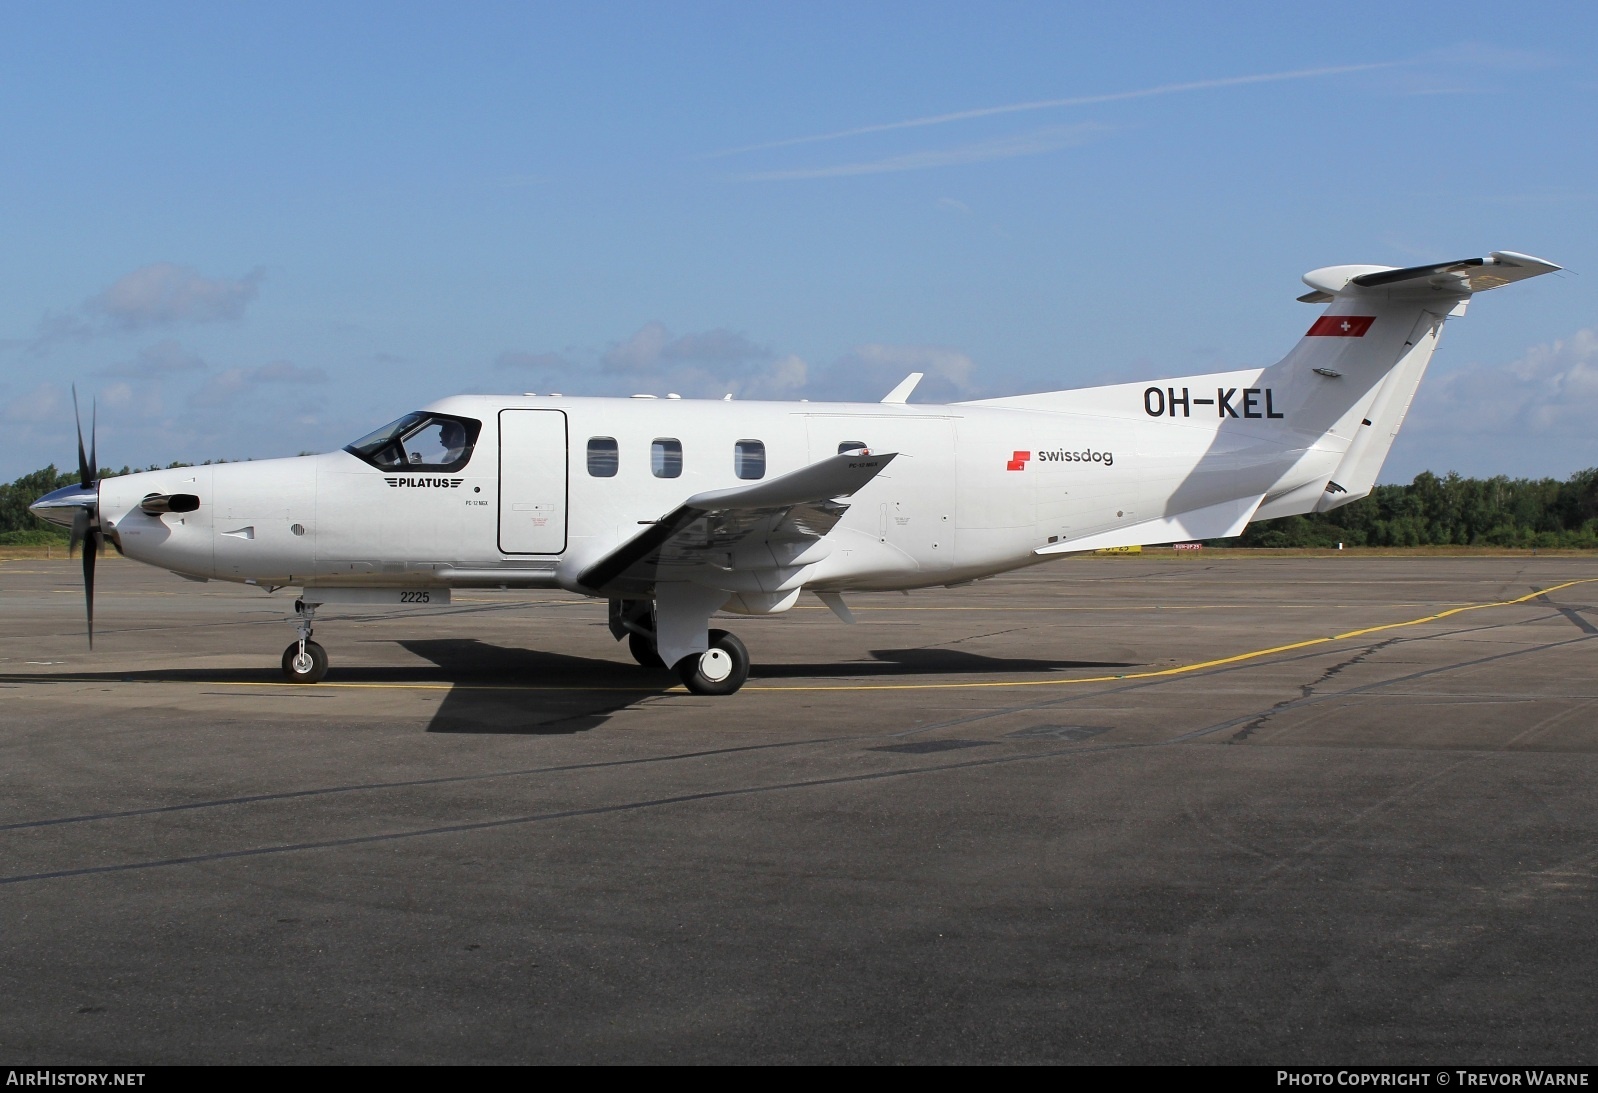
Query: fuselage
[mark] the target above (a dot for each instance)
(551, 484)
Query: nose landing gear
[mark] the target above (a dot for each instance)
(305, 661)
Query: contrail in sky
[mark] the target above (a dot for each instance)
(1049, 104)
(1025, 144)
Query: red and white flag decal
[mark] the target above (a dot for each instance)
(1018, 461)
(1341, 326)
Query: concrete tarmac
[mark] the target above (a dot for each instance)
(1177, 810)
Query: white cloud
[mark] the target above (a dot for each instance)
(639, 354)
(714, 345)
(1551, 388)
(718, 362)
(227, 385)
(870, 371)
(152, 297)
(653, 349)
(532, 362)
(164, 294)
(164, 358)
(1037, 142)
(43, 404)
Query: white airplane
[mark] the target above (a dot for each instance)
(673, 509)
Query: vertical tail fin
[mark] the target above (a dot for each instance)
(1356, 370)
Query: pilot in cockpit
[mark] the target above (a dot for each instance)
(452, 435)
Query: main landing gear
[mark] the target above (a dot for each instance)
(305, 661)
(721, 669)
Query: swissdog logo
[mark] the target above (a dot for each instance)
(432, 483)
(1019, 460)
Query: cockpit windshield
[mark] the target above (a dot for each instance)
(420, 442)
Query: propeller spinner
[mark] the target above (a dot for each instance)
(78, 509)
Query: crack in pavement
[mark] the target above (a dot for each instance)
(1307, 690)
(1371, 687)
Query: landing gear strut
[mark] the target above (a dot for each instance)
(635, 621)
(305, 661)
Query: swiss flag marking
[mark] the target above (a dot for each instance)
(1018, 461)
(1341, 326)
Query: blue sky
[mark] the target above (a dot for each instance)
(257, 231)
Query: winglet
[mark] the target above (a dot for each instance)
(900, 394)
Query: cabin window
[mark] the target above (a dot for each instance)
(420, 442)
(665, 458)
(603, 457)
(749, 459)
(851, 446)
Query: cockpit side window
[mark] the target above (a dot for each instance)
(420, 442)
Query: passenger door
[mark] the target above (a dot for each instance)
(532, 481)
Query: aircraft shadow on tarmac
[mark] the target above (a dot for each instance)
(485, 700)
(927, 662)
(584, 692)
(494, 689)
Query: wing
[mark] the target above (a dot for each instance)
(764, 525)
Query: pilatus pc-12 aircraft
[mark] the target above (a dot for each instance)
(674, 509)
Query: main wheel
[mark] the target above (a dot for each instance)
(644, 651)
(307, 668)
(719, 670)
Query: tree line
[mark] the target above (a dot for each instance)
(1448, 511)
(1430, 511)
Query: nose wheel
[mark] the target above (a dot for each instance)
(305, 661)
(719, 670)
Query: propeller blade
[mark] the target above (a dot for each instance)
(85, 476)
(80, 529)
(90, 547)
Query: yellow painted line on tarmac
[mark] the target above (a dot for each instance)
(1184, 669)
(1160, 673)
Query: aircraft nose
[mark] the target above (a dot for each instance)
(62, 505)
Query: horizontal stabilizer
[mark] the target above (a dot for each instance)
(1460, 278)
(1212, 522)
